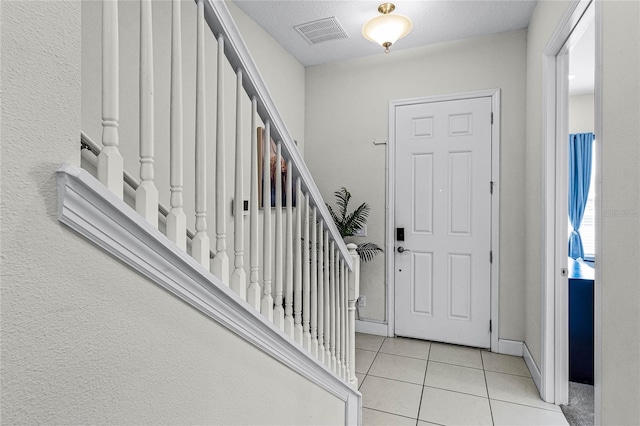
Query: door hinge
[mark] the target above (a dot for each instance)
(491, 187)
(490, 326)
(491, 256)
(491, 118)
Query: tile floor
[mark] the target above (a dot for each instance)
(413, 382)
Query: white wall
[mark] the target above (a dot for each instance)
(620, 214)
(581, 113)
(347, 107)
(545, 19)
(85, 339)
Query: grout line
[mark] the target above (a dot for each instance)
(422, 390)
(423, 383)
(406, 356)
(455, 391)
(393, 414)
(463, 366)
(525, 405)
(509, 374)
(374, 358)
(396, 380)
(484, 374)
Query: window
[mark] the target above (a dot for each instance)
(587, 227)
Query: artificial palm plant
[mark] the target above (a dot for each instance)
(349, 223)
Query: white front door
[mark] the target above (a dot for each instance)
(443, 205)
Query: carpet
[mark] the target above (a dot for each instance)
(579, 411)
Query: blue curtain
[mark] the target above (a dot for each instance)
(580, 150)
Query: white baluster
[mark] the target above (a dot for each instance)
(297, 268)
(332, 302)
(267, 298)
(200, 246)
(110, 163)
(278, 310)
(306, 304)
(288, 311)
(320, 281)
(314, 282)
(345, 317)
(327, 302)
(253, 292)
(354, 292)
(239, 276)
(176, 219)
(338, 315)
(343, 322)
(347, 327)
(146, 193)
(220, 263)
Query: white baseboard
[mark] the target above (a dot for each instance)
(510, 347)
(531, 365)
(371, 327)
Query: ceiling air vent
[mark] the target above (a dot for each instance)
(322, 30)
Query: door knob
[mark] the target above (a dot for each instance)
(402, 249)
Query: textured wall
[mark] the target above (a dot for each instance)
(620, 248)
(347, 107)
(85, 339)
(546, 17)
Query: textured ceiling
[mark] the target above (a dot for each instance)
(434, 21)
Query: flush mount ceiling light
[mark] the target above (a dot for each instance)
(387, 28)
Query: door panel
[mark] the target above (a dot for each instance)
(422, 283)
(443, 170)
(422, 183)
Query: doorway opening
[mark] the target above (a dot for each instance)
(570, 293)
(581, 221)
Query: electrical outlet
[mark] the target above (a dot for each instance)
(362, 301)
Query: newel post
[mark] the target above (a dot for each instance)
(354, 293)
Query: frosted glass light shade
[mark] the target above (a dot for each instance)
(387, 28)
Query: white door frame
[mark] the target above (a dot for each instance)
(554, 368)
(495, 201)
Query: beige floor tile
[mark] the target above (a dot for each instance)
(368, 342)
(391, 396)
(364, 359)
(505, 364)
(421, 423)
(379, 418)
(406, 347)
(453, 408)
(516, 389)
(399, 368)
(360, 377)
(507, 414)
(456, 378)
(458, 355)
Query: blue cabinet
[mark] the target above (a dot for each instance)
(581, 279)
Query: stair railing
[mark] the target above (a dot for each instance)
(311, 292)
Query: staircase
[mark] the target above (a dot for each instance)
(271, 265)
